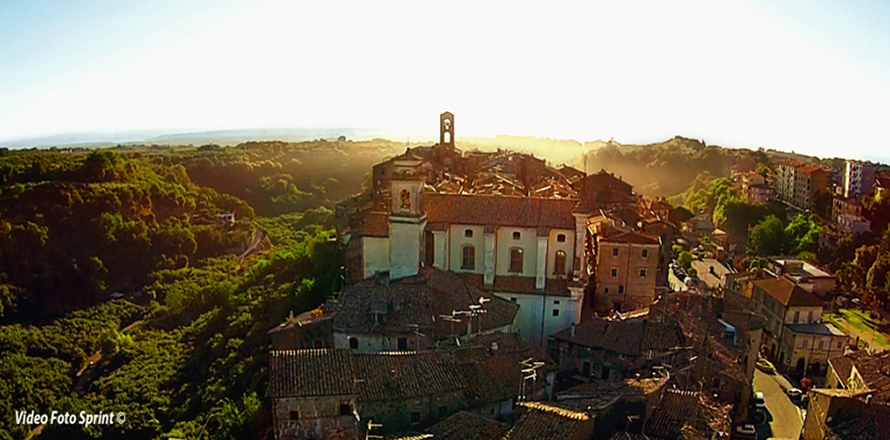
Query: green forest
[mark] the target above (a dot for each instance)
(121, 286)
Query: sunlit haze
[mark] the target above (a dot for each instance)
(810, 77)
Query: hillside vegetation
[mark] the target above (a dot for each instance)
(184, 352)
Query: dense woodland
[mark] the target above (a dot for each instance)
(184, 353)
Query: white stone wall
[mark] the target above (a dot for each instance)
(528, 239)
(375, 255)
(554, 246)
(535, 307)
(406, 236)
(458, 239)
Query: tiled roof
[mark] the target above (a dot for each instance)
(598, 394)
(786, 292)
(540, 421)
(482, 377)
(843, 366)
(376, 225)
(822, 328)
(676, 408)
(334, 372)
(635, 336)
(875, 372)
(528, 212)
(468, 426)
(631, 237)
(414, 303)
(873, 422)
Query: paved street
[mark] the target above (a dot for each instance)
(784, 417)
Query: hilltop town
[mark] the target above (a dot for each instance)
(494, 295)
(351, 289)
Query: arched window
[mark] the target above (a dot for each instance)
(516, 260)
(468, 258)
(559, 266)
(353, 343)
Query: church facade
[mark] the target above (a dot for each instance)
(481, 216)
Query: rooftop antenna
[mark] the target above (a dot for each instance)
(372, 425)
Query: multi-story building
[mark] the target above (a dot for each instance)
(794, 333)
(761, 193)
(859, 178)
(626, 267)
(798, 184)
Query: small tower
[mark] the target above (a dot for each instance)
(407, 221)
(446, 129)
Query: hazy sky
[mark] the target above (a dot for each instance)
(811, 76)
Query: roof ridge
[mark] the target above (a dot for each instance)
(562, 412)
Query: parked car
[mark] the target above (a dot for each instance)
(745, 432)
(795, 394)
(759, 404)
(765, 366)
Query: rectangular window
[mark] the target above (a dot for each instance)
(620, 289)
(614, 272)
(516, 260)
(517, 235)
(606, 290)
(839, 344)
(403, 344)
(555, 312)
(806, 343)
(295, 415)
(642, 273)
(796, 317)
(556, 302)
(468, 258)
(821, 345)
(810, 317)
(645, 253)
(615, 251)
(513, 299)
(345, 409)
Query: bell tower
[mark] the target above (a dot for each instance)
(407, 221)
(446, 129)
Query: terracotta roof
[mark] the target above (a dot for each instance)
(376, 225)
(540, 421)
(875, 372)
(631, 237)
(676, 408)
(468, 426)
(409, 304)
(372, 376)
(843, 366)
(872, 422)
(786, 292)
(598, 395)
(482, 377)
(635, 336)
(528, 212)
